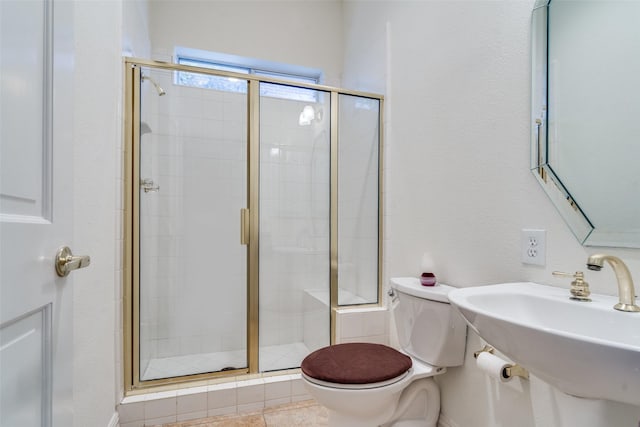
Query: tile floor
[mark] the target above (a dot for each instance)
(307, 413)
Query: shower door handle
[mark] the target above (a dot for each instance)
(244, 226)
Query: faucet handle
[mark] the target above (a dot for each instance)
(577, 274)
(579, 288)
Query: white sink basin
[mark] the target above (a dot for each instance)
(585, 349)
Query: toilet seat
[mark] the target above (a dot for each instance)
(356, 366)
(357, 386)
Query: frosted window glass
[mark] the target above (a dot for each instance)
(230, 84)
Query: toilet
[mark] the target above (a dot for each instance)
(369, 385)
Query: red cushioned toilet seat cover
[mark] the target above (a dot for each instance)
(355, 363)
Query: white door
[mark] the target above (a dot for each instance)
(36, 341)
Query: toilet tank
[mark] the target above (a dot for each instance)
(428, 327)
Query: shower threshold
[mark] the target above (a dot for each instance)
(272, 358)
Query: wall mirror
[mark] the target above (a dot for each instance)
(585, 135)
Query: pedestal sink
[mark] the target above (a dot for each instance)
(585, 349)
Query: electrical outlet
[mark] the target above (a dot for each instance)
(533, 247)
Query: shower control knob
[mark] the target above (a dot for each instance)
(149, 186)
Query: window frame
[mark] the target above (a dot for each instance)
(243, 65)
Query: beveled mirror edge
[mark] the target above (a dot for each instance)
(568, 209)
(540, 3)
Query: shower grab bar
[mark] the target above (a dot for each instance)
(244, 226)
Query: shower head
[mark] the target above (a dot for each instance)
(156, 85)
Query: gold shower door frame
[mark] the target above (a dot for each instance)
(131, 266)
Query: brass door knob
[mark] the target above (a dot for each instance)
(67, 262)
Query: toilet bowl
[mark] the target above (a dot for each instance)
(368, 385)
(374, 404)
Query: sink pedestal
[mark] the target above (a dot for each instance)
(554, 408)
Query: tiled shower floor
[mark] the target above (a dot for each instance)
(308, 413)
(272, 358)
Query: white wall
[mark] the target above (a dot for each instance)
(135, 29)
(96, 135)
(456, 79)
(305, 33)
(99, 32)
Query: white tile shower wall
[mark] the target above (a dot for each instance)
(362, 325)
(90, 49)
(294, 213)
(316, 313)
(214, 192)
(293, 223)
(196, 156)
(197, 178)
(358, 197)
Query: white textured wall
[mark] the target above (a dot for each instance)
(456, 76)
(135, 29)
(100, 34)
(96, 136)
(305, 33)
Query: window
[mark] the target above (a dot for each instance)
(242, 65)
(227, 84)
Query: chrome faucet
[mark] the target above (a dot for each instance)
(626, 291)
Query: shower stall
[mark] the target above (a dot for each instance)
(252, 213)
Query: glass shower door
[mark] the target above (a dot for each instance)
(192, 186)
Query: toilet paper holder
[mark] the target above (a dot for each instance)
(510, 371)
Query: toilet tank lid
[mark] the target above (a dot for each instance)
(412, 286)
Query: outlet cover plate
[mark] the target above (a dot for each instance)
(534, 246)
